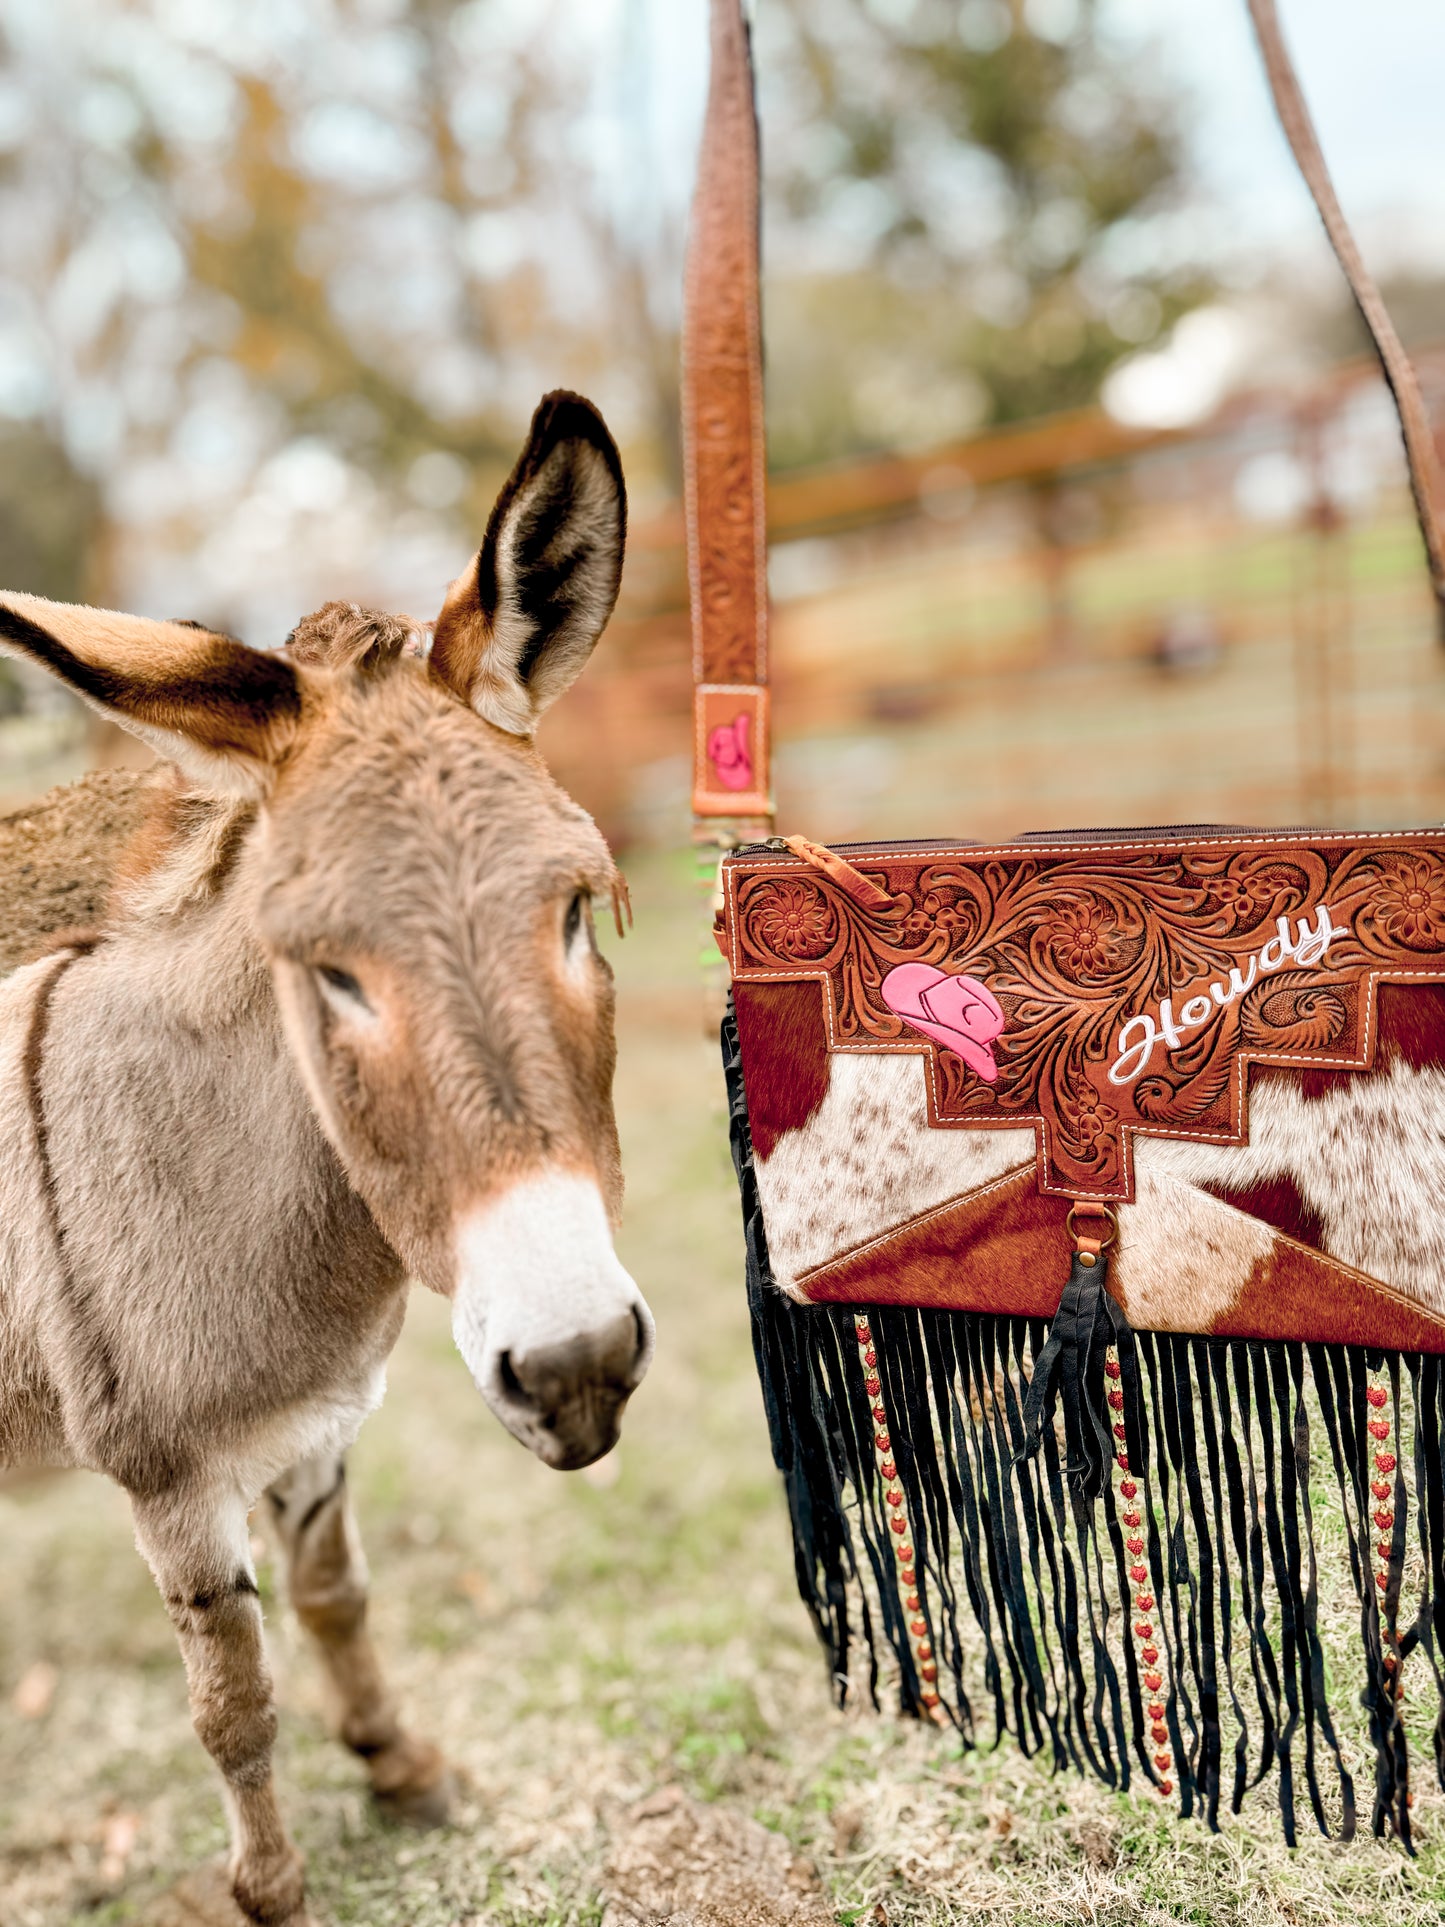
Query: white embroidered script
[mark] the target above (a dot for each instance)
(1139, 1035)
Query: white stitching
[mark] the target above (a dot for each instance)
(909, 1224)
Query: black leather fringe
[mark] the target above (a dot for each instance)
(1023, 1572)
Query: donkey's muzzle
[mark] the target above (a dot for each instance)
(566, 1400)
(555, 1332)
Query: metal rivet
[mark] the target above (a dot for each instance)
(1086, 1258)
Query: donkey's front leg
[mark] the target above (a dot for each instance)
(313, 1518)
(198, 1548)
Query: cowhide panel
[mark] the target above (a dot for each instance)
(865, 1201)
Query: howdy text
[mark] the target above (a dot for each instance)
(1140, 1034)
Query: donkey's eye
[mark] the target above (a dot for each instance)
(341, 990)
(572, 925)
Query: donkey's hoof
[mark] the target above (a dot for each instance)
(205, 1899)
(412, 1783)
(271, 1892)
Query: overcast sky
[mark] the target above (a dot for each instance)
(1374, 75)
(1373, 71)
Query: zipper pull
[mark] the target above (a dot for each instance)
(863, 890)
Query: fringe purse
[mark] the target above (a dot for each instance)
(1094, 1196)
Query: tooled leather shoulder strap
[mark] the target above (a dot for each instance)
(1414, 423)
(723, 448)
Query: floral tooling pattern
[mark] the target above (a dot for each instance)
(1252, 950)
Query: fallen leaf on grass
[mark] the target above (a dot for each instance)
(122, 1830)
(475, 1586)
(35, 1690)
(1098, 1845)
(847, 1823)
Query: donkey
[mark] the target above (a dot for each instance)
(346, 1025)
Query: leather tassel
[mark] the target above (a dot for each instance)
(1070, 1370)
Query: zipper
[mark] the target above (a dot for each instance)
(1129, 833)
(776, 846)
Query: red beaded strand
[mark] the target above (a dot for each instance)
(1381, 1428)
(897, 1513)
(1130, 1503)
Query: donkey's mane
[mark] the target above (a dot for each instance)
(342, 635)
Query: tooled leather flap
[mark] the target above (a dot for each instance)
(1099, 990)
(723, 446)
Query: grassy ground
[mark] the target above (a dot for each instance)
(576, 1642)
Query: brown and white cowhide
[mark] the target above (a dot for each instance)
(1329, 1222)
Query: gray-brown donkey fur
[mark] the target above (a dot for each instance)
(346, 1025)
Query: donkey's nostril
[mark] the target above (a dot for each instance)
(639, 1327)
(511, 1384)
(592, 1365)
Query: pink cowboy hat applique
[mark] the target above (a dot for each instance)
(958, 1012)
(727, 748)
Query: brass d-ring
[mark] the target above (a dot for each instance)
(1105, 1211)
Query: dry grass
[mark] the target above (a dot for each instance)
(576, 1642)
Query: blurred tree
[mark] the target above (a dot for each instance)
(49, 515)
(1416, 301)
(968, 218)
(287, 285)
(49, 518)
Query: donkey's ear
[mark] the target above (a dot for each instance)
(224, 712)
(519, 624)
